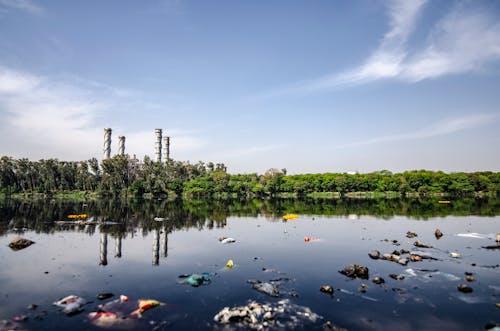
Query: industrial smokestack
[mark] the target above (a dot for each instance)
(121, 145)
(158, 145)
(107, 143)
(166, 149)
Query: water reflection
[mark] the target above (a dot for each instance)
(118, 217)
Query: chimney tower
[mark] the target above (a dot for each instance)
(158, 145)
(166, 149)
(121, 145)
(107, 143)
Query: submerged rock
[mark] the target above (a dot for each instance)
(374, 254)
(410, 234)
(378, 280)
(397, 277)
(20, 243)
(464, 288)
(355, 271)
(421, 244)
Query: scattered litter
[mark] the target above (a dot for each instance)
(326, 289)
(378, 280)
(310, 239)
(289, 217)
(476, 235)
(464, 288)
(265, 287)
(71, 304)
(196, 280)
(6, 325)
(491, 247)
(329, 326)
(76, 216)
(103, 296)
(20, 243)
(121, 313)
(444, 201)
(421, 244)
(470, 278)
(355, 271)
(455, 255)
(159, 219)
(410, 234)
(225, 240)
(397, 277)
(426, 275)
(395, 258)
(281, 315)
(438, 234)
(374, 254)
(230, 264)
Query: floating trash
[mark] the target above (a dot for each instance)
(196, 280)
(225, 240)
(326, 289)
(355, 271)
(71, 304)
(265, 287)
(282, 315)
(159, 219)
(289, 217)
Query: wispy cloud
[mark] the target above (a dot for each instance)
(445, 127)
(462, 41)
(24, 5)
(42, 117)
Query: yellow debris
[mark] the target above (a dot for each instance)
(230, 264)
(290, 217)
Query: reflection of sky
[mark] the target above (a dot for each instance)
(72, 260)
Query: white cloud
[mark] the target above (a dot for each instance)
(42, 117)
(25, 5)
(464, 40)
(445, 127)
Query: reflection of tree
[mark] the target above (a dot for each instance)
(42, 216)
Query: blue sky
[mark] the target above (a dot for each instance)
(310, 86)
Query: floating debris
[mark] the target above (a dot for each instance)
(421, 244)
(355, 271)
(397, 277)
(230, 264)
(226, 240)
(20, 243)
(326, 289)
(374, 254)
(72, 304)
(470, 278)
(310, 239)
(455, 255)
(438, 234)
(104, 296)
(265, 287)
(378, 280)
(395, 258)
(410, 234)
(289, 217)
(281, 315)
(196, 280)
(464, 288)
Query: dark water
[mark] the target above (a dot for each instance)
(142, 258)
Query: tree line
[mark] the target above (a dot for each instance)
(124, 176)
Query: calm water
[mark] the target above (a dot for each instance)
(142, 258)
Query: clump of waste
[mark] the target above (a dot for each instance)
(20, 243)
(281, 315)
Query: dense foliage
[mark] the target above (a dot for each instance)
(122, 175)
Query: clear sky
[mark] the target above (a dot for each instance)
(310, 86)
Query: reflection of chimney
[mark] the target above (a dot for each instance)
(118, 247)
(166, 149)
(158, 145)
(107, 143)
(104, 249)
(121, 145)
(165, 245)
(156, 247)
